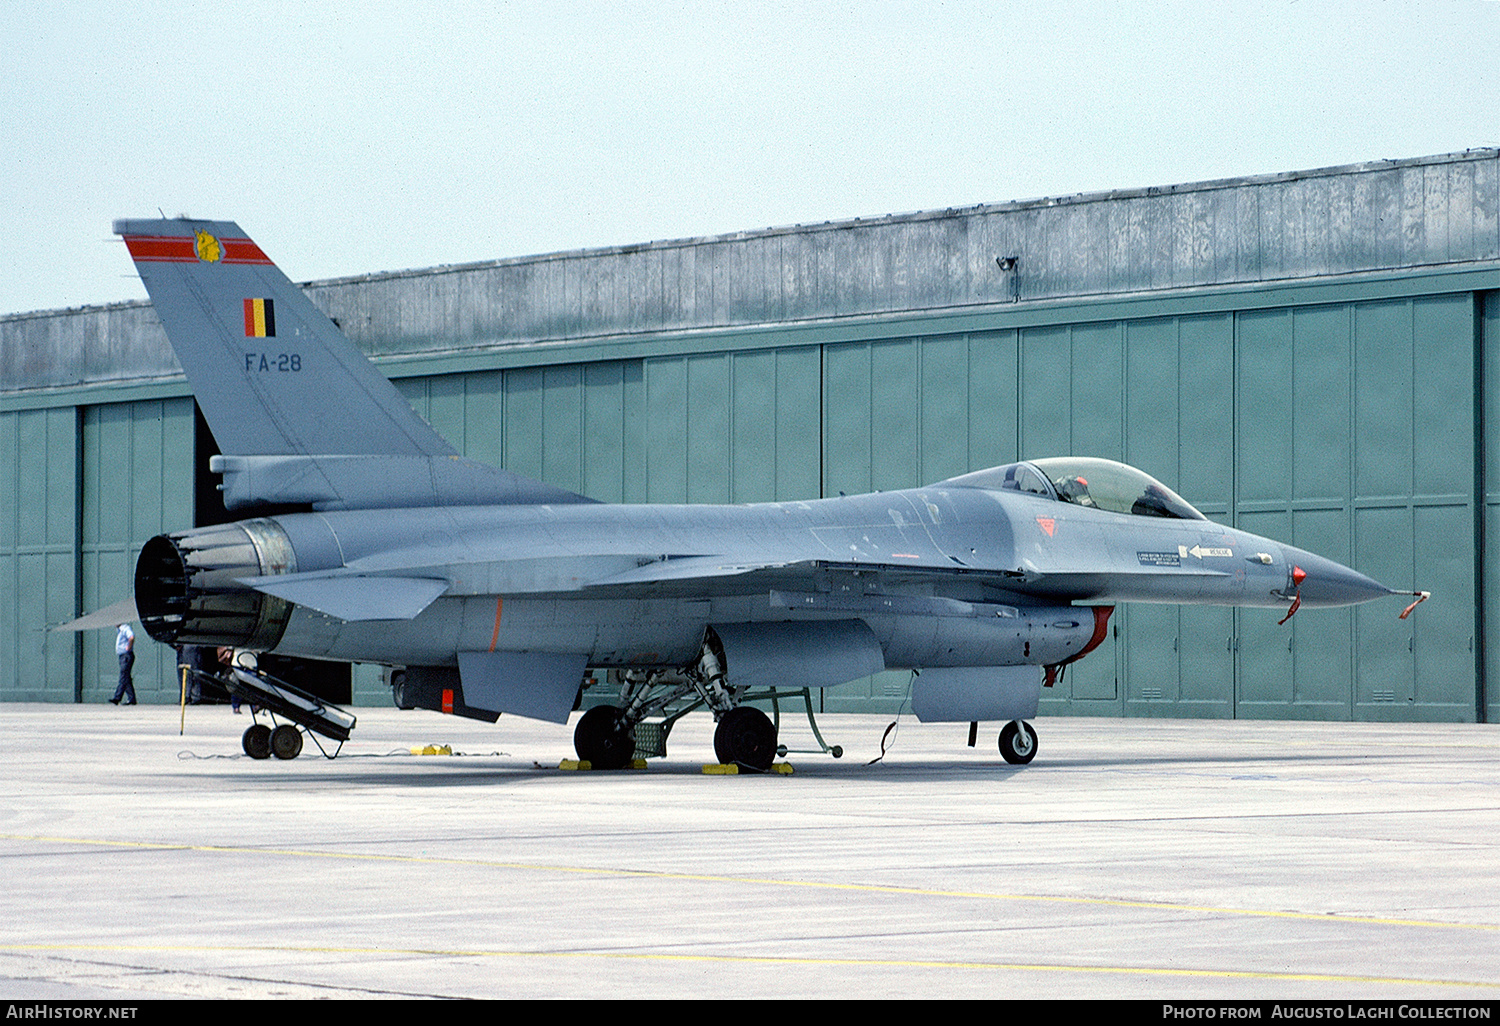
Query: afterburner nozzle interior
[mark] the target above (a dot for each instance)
(187, 587)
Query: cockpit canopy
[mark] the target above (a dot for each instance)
(1085, 481)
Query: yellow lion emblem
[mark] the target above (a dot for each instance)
(209, 250)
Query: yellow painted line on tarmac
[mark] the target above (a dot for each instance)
(768, 960)
(654, 874)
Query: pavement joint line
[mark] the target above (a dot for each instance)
(1321, 917)
(780, 960)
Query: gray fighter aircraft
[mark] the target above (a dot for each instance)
(499, 594)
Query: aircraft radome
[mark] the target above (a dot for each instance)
(500, 594)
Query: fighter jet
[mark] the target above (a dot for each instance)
(500, 594)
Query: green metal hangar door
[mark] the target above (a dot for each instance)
(1304, 355)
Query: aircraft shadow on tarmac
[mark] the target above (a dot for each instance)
(499, 770)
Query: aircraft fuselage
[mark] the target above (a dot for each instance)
(942, 575)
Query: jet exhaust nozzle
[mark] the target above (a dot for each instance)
(187, 590)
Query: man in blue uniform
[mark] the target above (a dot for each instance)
(125, 649)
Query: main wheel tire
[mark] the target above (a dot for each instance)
(600, 740)
(398, 690)
(257, 741)
(1017, 743)
(286, 742)
(746, 737)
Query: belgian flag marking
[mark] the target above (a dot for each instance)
(260, 318)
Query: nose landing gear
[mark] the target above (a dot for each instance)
(1018, 743)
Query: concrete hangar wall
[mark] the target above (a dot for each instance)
(1308, 356)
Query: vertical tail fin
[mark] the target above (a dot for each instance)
(273, 375)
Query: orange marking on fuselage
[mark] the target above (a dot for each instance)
(495, 636)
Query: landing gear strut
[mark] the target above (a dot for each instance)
(1017, 743)
(608, 736)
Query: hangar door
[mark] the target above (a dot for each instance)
(136, 482)
(38, 553)
(86, 487)
(1346, 429)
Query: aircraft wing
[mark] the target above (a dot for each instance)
(908, 588)
(691, 568)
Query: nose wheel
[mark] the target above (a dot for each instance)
(1017, 743)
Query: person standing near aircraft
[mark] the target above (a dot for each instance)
(125, 649)
(224, 659)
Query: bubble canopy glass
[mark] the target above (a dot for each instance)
(1085, 481)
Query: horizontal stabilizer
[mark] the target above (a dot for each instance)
(120, 612)
(537, 685)
(354, 598)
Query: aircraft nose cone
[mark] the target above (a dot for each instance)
(1326, 583)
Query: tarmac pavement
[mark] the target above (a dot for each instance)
(1160, 859)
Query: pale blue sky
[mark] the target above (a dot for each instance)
(348, 138)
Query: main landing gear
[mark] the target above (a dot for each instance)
(745, 737)
(604, 738)
(608, 737)
(1018, 743)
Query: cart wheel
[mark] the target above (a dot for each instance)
(257, 741)
(286, 741)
